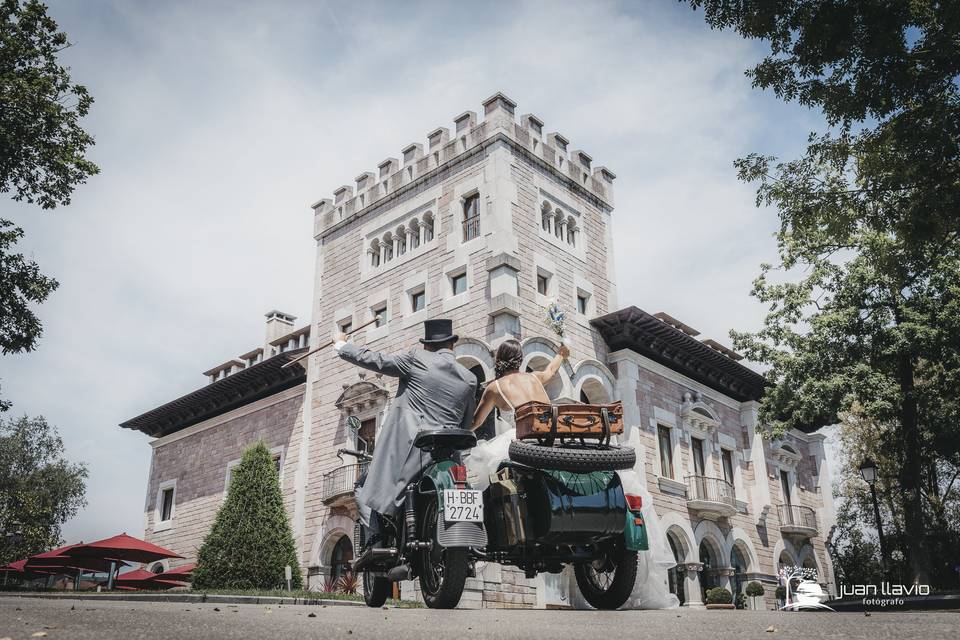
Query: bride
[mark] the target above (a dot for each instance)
(509, 389)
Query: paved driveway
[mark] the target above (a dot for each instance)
(23, 617)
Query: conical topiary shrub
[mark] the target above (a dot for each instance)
(250, 542)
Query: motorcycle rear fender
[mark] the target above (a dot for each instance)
(436, 477)
(635, 532)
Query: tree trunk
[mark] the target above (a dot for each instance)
(911, 475)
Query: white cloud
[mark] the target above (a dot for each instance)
(217, 125)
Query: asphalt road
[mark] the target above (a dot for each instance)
(25, 617)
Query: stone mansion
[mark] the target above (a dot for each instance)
(485, 223)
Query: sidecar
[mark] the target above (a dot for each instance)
(540, 520)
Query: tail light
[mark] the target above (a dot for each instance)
(634, 502)
(459, 474)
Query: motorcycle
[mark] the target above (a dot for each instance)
(538, 520)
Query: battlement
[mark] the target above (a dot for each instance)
(446, 145)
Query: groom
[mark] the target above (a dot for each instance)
(435, 392)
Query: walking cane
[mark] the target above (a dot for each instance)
(326, 344)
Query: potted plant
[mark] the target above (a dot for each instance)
(719, 598)
(740, 601)
(781, 595)
(754, 590)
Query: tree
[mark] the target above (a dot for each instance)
(22, 284)
(42, 152)
(39, 489)
(42, 144)
(868, 227)
(250, 542)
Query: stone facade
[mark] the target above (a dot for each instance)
(486, 223)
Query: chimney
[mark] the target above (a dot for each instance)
(278, 324)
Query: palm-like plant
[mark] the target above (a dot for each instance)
(348, 583)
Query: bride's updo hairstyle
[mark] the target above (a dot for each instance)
(508, 358)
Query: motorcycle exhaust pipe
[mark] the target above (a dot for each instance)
(400, 572)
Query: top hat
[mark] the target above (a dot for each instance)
(436, 331)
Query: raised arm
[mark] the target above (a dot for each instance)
(487, 403)
(397, 366)
(547, 374)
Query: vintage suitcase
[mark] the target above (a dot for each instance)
(550, 422)
(506, 510)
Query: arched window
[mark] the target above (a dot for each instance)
(571, 231)
(388, 247)
(414, 234)
(375, 253)
(545, 217)
(558, 224)
(592, 391)
(675, 575)
(428, 227)
(489, 427)
(340, 558)
(401, 240)
(739, 565)
(708, 578)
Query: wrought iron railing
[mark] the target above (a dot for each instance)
(471, 228)
(341, 480)
(710, 490)
(795, 515)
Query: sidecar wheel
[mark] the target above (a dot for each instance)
(607, 583)
(376, 589)
(443, 572)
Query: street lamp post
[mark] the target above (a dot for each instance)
(868, 470)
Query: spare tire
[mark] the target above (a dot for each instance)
(581, 459)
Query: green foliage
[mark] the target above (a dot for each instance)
(250, 542)
(754, 589)
(740, 601)
(780, 593)
(864, 305)
(42, 149)
(42, 144)
(21, 284)
(719, 595)
(40, 489)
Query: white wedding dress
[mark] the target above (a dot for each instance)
(488, 454)
(651, 590)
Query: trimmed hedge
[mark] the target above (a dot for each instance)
(754, 589)
(781, 593)
(250, 542)
(719, 595)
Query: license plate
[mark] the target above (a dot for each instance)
(462, 505)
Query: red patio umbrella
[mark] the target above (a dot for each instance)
(142, 579)
(13, 567)
(183, 573)
(169, 584)
(55, 558)
(121, 547)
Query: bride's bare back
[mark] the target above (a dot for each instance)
(514, 389)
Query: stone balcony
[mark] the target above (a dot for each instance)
(798, 521)
(338, 485)
(711, 498)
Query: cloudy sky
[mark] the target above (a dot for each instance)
(218, 123)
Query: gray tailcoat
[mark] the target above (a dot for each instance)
(435, 391)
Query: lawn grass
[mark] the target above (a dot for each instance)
(301, 594)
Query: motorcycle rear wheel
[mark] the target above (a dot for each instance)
(376, 589)
(443, 572)
(607, 583)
